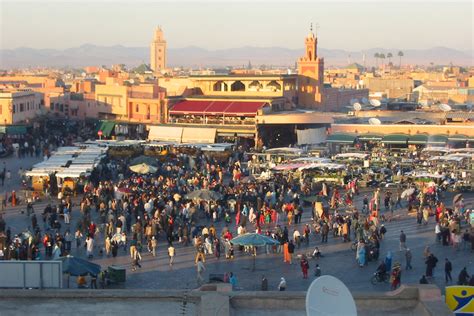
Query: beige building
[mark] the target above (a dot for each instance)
(158, 51)
(18, 106)
(143, 104)
(391, 88)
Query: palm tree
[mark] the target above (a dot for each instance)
(382, 56)
(400, 54)
(389, 56)
(377, 56)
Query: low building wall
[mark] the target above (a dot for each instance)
(467, 130)
(215, 299)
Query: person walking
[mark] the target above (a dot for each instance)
(408, 257)
(154, 245)
(403, 240)
(89, 247)
(136, 260)
(171, 254)
(396, 276)
(448, 267)
(286, 254)
(304, 266)
(200, 270)
(430, 265)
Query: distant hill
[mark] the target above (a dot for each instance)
(88, 54)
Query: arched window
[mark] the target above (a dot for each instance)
(219, 86)
(255, 86)
(273, 86)
(237, 86)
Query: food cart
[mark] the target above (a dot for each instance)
(159, 150)
(126, 148)
(219, 152)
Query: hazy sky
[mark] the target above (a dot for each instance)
(351, 25)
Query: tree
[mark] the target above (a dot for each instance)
(389, 56)
(400, 54)
(382, 56)
(377, 56)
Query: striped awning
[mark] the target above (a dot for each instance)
(399, 139)
(418, 139)
(370, 137)
(341, 138)
(439, 139)
(458, 138)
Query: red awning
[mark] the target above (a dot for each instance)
(244, 108)
(217, 108)
(189, 107)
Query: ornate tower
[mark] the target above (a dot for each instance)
(311, 74)
(158, 51)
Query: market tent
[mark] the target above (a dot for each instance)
(341, 138)
(254, 240)
(399, 139)
(144, 159)
(13, 130)
(418, 139)
(199, 135)
(143, 168)
(107, 127)
(76, 266)
(438, 140)
(370, 137)
(458, 138)
(165, 133)
(206, 195)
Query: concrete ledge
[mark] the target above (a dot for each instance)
(172, 295)
(219, 300)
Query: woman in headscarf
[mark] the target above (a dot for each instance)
(388, 261)
(361, 253)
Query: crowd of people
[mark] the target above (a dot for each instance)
(120, 211)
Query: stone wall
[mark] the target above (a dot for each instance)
(215, 299)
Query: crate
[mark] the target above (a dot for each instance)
(116, 274)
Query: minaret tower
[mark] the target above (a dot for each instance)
(158, 51)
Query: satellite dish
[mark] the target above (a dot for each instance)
(365, 101)
(354, 101)
(374, 121)
(444, 107)
(327, 295)
(375, 103)
(357, 106)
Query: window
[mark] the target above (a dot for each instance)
(137, 108)
(0, 109)
(22, 107)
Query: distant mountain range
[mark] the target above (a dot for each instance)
(93, 55)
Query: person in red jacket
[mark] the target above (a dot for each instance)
(304, 266)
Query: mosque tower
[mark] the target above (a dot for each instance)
(158, 51)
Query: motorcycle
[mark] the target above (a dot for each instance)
(380, 278)
(373, 253)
